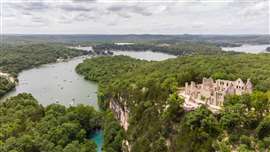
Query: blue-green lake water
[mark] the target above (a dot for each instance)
(97, 137)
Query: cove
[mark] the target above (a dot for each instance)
(59, 83)
(97, 137)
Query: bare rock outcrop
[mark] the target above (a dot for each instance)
(121, 113)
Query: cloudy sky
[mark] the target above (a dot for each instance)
(135, 16)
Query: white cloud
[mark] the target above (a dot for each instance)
(136, 16)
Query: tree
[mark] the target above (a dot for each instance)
(260, 103)
(263, 130)
(27, 126)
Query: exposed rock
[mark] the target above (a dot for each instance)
(126, 146)
(121, 113)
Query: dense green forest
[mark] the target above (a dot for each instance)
(15, 58)
(221, 40)
(5, 85)
(100, 69)
(27, 126)
(157, 120)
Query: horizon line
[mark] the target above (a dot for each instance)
(161, 34)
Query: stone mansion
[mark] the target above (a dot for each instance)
(211, 93)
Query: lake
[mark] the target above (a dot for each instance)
(248, 48)
(145, 55)
(97, 137)
(59, 83)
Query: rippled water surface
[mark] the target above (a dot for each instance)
(57, 83)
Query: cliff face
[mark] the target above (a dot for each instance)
(121, 113)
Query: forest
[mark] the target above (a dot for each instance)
(157, 120)
(5, 85)
(27, 126)
(15, 58)
(75, 39)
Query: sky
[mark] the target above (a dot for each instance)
(135, 16)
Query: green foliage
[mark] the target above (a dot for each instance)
(197, 131)
(174, 109)
(14, 59)
(156, 117)
(5, 85)
(113, 133)
(103, 69)
(246, 140)
(245, 121)
(263, 130)
(222, 146)
(27, 126)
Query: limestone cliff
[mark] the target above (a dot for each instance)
(121, 113)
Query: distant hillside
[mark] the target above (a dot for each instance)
(76, 39)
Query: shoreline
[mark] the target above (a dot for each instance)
(16, 81)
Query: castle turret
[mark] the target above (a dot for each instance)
(249, 86)
(215, 98)
(240, 83)
(204, 80)
(192, 85)
(186, 88)
(211, 80)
